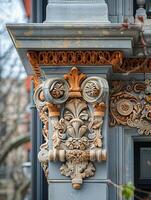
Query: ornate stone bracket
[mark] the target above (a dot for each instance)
(75, 107)
(130, 104)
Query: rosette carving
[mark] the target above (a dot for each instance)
(75, 107)
(56, 90)
(93, 89)
(130, 105)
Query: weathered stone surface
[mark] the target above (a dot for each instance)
(74, 11)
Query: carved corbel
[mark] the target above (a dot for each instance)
(75, 107)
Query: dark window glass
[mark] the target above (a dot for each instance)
(148, 8)
(142, 167)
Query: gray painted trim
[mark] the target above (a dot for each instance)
(121, 156)
(68, 29)
(120, 10)
(71, 36)
(85, 181)
(34, 146)
(133, 76)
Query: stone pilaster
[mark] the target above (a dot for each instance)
(77, 11)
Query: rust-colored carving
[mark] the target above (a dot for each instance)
(53, 110)
(33, 59)
(134, 65)
(76, 117)
(91, 57)
(70, 58)
(129, 105)
(99, 109)
(74, 78)
(36, 81)
(77, 57)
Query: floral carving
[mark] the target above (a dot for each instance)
(75, 143)
(58, 90)
(45, 110)
(77, 167)
(130, 105)
(134, 65)
(77, 156)
(75, 78)
(43, 113)
(76, 123)
(77, 171)
(95, 135)
(92, 89)
(59, 133)
(75, 115)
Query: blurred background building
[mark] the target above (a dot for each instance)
(15, 153)
(14, 108)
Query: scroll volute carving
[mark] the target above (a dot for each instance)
(75, 106)
(130, 105)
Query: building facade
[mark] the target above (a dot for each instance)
(90, 62)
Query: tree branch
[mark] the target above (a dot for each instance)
(12, 144)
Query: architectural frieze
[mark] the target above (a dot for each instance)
(89, 57)
(73, 57)
(130, 105)
(134, 65)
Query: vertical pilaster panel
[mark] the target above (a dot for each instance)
(120, 10)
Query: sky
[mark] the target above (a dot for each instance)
(11, 11)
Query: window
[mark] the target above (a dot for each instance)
(148, 8)
(142, 167)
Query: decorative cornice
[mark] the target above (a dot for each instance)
(88, 58)
(70, 58)
(130, 105)
(77, 57)
(134, 65)
(34, 63)
(36, 81)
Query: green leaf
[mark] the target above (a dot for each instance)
(128, 190)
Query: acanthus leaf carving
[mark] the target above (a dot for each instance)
(130, 105)
(76, 123)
